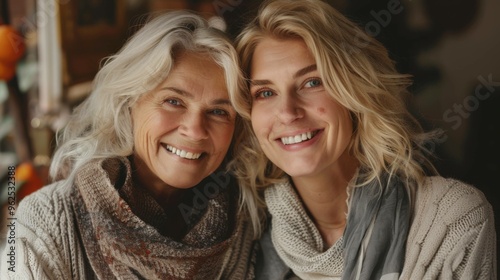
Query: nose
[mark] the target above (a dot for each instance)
(193, 127)
(289, 109)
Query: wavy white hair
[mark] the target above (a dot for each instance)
(101, 126)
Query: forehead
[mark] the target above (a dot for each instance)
(197, 72)
(197, 67)
(272, 52)
(195, 76)
(191, 64)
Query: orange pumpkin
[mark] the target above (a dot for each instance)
(7, 70)
(11, 50)
(11, 44)
(27, 177)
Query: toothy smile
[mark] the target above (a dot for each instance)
(298, 138)
(182, 153)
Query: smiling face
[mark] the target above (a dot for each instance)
(183, 129)
(299, 126)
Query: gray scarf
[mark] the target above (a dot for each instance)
(376, 231)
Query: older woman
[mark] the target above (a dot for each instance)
(141, 191)
(342, 162)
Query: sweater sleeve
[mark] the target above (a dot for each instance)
(452, 235)
(41, 237)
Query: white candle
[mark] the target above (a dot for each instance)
(49, 56)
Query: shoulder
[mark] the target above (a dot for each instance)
(46, 200)
(452, 232)
(450, 198)
(447, 201)
(45, 208)
(438, 186)
(43, 220)
(50, 191)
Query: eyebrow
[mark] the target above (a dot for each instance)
(297, 74)
(219, 101)
(305, 70)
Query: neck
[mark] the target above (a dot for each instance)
(324, 196)
(167, 196)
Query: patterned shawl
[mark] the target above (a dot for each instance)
(123, 240)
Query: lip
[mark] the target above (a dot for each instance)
(301, 145)
(187, 150)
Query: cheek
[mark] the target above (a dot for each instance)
(321, 110)
(221, 136)
(150, 126)
(227, 136)
(260, 121)
(142, 139)
(345, 126)
(137, 129)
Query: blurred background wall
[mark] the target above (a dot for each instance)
(450, 47)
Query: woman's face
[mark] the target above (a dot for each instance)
(183, 129)
(299, 126)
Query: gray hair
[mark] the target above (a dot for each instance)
(101, 126)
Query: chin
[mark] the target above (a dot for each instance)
(302, 170)
(183, 184)
(297, 172)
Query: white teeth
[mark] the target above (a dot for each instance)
(182, 153)
(297, 138)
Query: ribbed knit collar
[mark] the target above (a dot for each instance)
(119, 244)
(296, 238)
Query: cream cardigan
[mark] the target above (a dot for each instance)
(452, 236)
(48, 244)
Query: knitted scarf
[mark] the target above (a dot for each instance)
(120, 244)
(373, 243)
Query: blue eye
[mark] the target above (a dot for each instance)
(174, 102)
(313, 83)
(264, 94)
(219, 112)
(267, 94)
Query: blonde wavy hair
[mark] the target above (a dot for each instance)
(101, 127)
(358, 73)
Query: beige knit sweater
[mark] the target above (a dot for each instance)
(452, 236)
(49, 245)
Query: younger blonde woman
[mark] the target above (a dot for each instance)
(341, 162)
